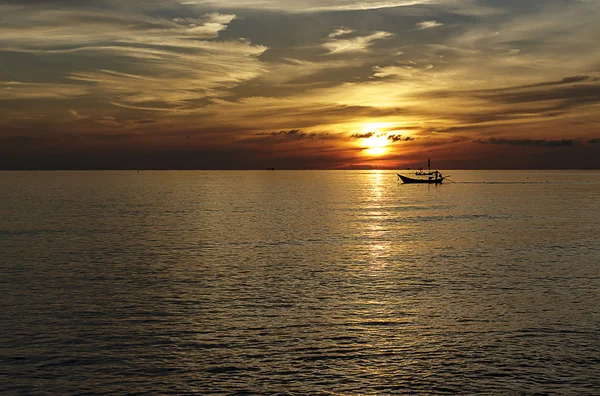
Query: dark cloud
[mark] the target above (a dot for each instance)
(569, 90)
(528, 142)
(543, 100)
(362, 135)
(393, 138)
(564, 81)
(293, 134)
(569, 96)
(400, 138)
(576, 79)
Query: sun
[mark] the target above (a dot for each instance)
(376, 144)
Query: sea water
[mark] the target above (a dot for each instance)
(299, 282)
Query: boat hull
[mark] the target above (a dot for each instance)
(410, 180)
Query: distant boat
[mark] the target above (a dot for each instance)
(427, 177)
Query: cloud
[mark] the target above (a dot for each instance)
(564, 81)
(76, 116)
(404, 71)
(131, 59)
(302, 111)
(394, 137)
(362, 135)
(564, 94)
(400, 138)
(546, 101)
(577, 79)
(17, 90)
(208, 26)
(340, 32)
(141, 122)
(355, 44)
(428, 25)
(293, 134)
(528, 142)
(108, 121)
(307, 5)
(176, 77)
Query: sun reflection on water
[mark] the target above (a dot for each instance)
(376, 231)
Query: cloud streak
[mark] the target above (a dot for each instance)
(293, 134)
(307, 5)
(136, 59)
(528, 142)
(354, 44)
(428, 25)
(16, 90)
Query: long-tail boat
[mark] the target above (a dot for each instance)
(428, 177)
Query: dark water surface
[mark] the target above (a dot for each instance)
(299, 282)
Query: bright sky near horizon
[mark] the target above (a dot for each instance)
(303, 84)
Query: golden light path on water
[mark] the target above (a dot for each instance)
(376, 228)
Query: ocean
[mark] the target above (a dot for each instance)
(299, 282)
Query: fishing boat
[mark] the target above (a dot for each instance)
(425, 177)
(427, 180)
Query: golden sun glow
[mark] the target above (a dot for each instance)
(377, 143)
(376, 150)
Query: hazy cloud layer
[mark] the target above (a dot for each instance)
(528, 142)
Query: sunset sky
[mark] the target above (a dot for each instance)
(299, 84)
